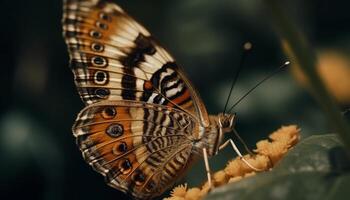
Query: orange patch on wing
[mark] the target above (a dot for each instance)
(105, 143)
(148, 85)
(186, 95)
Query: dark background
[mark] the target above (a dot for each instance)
(39, 102)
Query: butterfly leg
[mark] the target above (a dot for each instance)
(230, 141)
(242, 142)
(207, 168)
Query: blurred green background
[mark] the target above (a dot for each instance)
(39, 102)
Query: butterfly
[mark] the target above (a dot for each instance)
(144, 124)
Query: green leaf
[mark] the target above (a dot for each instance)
(316, 169)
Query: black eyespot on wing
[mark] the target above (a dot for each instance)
(115, 130)
(109, 112)
(102, 25)
(123, 147)
(139, 177)
(105, 17)
(95, 34)
(125, 166)
(100, 76)
(97, 47)
(99, 61)
(102, 93)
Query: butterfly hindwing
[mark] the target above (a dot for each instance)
(138, 147)
(115, 58)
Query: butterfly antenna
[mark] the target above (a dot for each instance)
(260, 82)
(246, 49)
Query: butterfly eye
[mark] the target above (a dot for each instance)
(115, 130)
(125, 166)
(97, 47)
(225, 123)
(109, 113)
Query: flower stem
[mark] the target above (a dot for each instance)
(302, 55)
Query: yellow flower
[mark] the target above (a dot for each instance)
(179, 191)
(268, 153)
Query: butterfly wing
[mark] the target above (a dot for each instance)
(140, 148)
(114, 58)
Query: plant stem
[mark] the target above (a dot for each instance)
(301, 53)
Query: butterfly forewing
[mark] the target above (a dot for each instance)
(115, 58)
(138, 147)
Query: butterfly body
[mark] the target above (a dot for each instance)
(144, 124)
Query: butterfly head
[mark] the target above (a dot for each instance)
(227, 122)
(221, 123)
